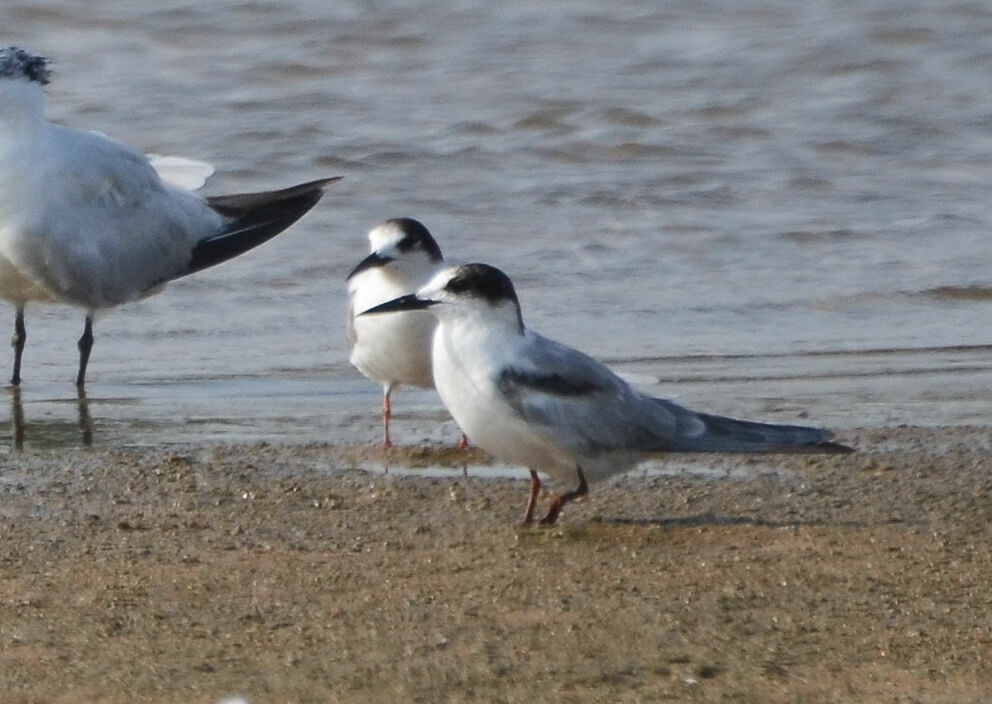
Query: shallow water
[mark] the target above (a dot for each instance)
(779, 210)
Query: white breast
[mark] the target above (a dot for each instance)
(466, 367)
(391, 348)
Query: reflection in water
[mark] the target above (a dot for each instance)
(85, 422)
(20, 425)
(17, 417)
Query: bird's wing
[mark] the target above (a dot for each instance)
(580, 404)
(251, 219)
(104, 228)
(583, 406)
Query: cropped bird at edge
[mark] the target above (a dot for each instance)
(88, 222)
(532, 401)
(393, 349)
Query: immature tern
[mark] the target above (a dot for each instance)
(535, 402)
(88, 222)
(393, 349)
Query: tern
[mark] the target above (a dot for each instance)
(531, 401)
(393, 349)
(86, 221)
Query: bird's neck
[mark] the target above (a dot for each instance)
(374, 286)
(484, 338)
(22, 110)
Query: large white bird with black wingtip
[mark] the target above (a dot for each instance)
(392, 349)
(88, 222)
(535, 402)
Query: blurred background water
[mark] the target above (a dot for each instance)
(768, 209)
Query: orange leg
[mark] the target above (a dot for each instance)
(535, 491)
(563, 499)
(387, 412)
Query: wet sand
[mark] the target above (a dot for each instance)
(286, 574)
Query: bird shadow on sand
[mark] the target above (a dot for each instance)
(711, 519)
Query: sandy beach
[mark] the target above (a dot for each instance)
(287, 574)
(776, 211)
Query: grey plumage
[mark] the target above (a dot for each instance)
(88, 222)
(581, 403)
(535, 402)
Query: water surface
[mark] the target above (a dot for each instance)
(768, 209)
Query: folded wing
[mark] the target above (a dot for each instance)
(581, 405)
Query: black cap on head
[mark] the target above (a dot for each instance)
(482, 281)
(17, 63)
(416, 235)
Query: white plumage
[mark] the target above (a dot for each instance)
(88, 222)
(535, 402)
(392, 349)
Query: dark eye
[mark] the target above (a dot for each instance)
(457, 284)
(407, 244)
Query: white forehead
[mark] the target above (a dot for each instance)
(436, 284)
(384, 234)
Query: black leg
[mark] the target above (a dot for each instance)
(17, 342)
(563, 499)
(85, 345)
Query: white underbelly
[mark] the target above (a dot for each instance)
(494, 426)
(395, 348)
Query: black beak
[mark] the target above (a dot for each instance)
(407, 302)
(370, 262)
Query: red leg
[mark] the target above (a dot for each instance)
(563, 499)
(535, 490)
(387, 412)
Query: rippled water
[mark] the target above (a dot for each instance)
(771, 209)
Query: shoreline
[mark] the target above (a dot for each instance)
(190, 574)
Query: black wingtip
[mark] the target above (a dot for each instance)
(235, 205)
(255, 218)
